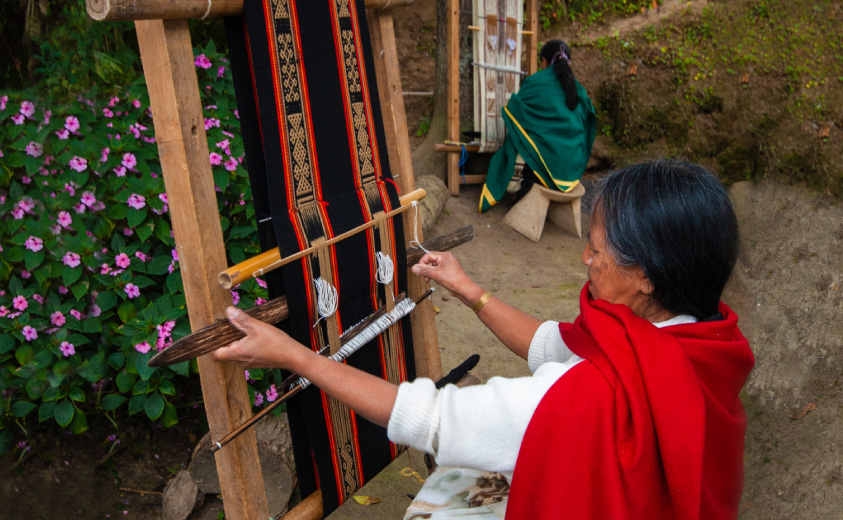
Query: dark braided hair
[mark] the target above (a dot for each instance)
(557, 54)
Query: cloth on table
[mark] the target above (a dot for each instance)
(555, 142)
(461, 493)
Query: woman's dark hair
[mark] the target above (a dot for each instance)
(560, 52)
(675, 220)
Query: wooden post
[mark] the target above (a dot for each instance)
(532, 24)
(382, 33)
(183, 148)
(453, 93)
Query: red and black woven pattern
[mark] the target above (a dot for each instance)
(312, 127)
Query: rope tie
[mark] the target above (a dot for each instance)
(415, 242)
(326, 299)
(385, 269)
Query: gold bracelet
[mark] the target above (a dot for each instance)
(477, 307)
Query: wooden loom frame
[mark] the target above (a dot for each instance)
(453, 44)
(167, 56)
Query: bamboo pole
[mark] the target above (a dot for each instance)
(129, 10)
(453, 93)
(532, 33)
(269, 260)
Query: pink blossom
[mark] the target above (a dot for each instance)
(260, 301)
(27, 204)
(56, 230)
(175, 254)
(17, 212)
(65, 219)
(29, 333)
(120, 171)
(71, 259)
(3, 101)
(129, 160)
(34, 149)
(20, 303)
(136, 103)
(70, 188)
(71, 123)
(202, 62)
(225, 145)
(88, 199)
(143, 348)
(79, 164)
(26, 179)
(136, 201)
(258, 398)
(57, 318)
(105, 269)
(34, 244)
(220, 71)
(132, 290)
(271, 394)
(67, 349)
(3, 311)
(261, 282)
(211, 122)
(140, 256)
(95, 310)
(235, 296)
(128, 232)
(47, 116)
(246, 373)
(236, 114)
(231, 164)
(18, 119)
(105, 152)
(215, 158)
(25, 274)
(38, 298)
(62, 134)
(122, 260)
(113, 101)
(107, 113)
(79, 208)
(62, 290)
(27, 108)
(76, 314)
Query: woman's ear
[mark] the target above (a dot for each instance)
(644, 283)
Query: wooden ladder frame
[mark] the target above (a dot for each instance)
(167, 56)
(453, 43)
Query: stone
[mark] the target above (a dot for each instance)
(181, 497)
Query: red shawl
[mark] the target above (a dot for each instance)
(649, 426)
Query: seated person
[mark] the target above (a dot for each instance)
(550, 128)
(632, 410)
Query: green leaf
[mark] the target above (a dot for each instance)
(118, 212)
(15, 254)
(162, 231)
(174, 283)
(16, 160)
(117, 243)
(144, 370)
(154, 406)
(125, 381)
(142, 281)
(24, 354)
(64, 413)
(221, 178)
(136, 403)
(170, 417)
(117, 360)
(112, 401)
(33, 259)
(182, 369)
(106, 300)
(159, 265)
(35, 388)
(144, 231)
(77, 394)
(22, 408)
(140, 387)
(92, 326)
(136, 216)
(80, 289)
(46, 410)
(167, 388)
(126, 311)
(80, 422)
(7, 343)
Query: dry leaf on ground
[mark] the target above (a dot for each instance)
(804, 411)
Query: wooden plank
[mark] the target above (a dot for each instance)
(453, 45)
(532, 24)
(167, 59)
(382, 33)
(455, 148)
(133, 10)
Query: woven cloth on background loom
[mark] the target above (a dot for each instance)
(497, 65)
(312, 127)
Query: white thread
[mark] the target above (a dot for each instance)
(207, 11)
(326, 299)
(385, 269)
(415, 242)
(402, 308)
(499, 68)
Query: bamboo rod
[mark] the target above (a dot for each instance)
(269, 260)
(127, 10)
(222, 333)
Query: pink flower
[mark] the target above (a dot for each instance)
(136, 103)
(260, 301)
(202, 62)
(105, 269)
(62, 290)
(79, 208)
(34, 149)
(38, 298)
(175, 254)
(132, 290)
(62, 134)
(18, 119)
(20, 303)
(29, 333)
(113, 101)
(27, 108)
(3, 311)
(79, 164)
(25, 274)
(236, 114)
(3, 101)
(220, 71)
(17, 212)
(67, 349)
(258, 398)
(140, 256)
(34, 244)
(88, 199)
(215, 158)
(71, 259)
(57, 318)
(235, 296)
(122, 260)
(47, 116)
(211, 122)
(107, 113)
(120, 171)
(136, 201)
(261, 282)
(129, 160)
(76, 314)
(71, 123)
(95, 310)
(128, 232)
(231, 164)
(105, 152)
(65, 219)
(143, 348)
(271, 394)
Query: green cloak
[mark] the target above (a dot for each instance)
(554, 142)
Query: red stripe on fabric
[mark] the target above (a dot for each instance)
(326, 412)
(252, 74)
(356, 445)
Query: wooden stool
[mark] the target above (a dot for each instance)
(529, 214)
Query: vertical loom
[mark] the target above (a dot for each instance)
(173, 88)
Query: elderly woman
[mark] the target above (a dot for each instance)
(632, 411)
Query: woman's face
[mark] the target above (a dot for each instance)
(616, 284)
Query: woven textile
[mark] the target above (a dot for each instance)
(497, 65)
(311, 122)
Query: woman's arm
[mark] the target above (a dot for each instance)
(512, 327)
(267, 347)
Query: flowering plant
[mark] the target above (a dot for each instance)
(90, 286)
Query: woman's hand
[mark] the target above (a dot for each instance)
(263, 347)
(446, 270)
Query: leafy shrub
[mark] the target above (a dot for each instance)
(90, 286)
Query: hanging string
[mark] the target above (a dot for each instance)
(385, 271)
(415, 242)
(461, 164)
(326, 299)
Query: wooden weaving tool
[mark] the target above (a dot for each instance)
(170, 76)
